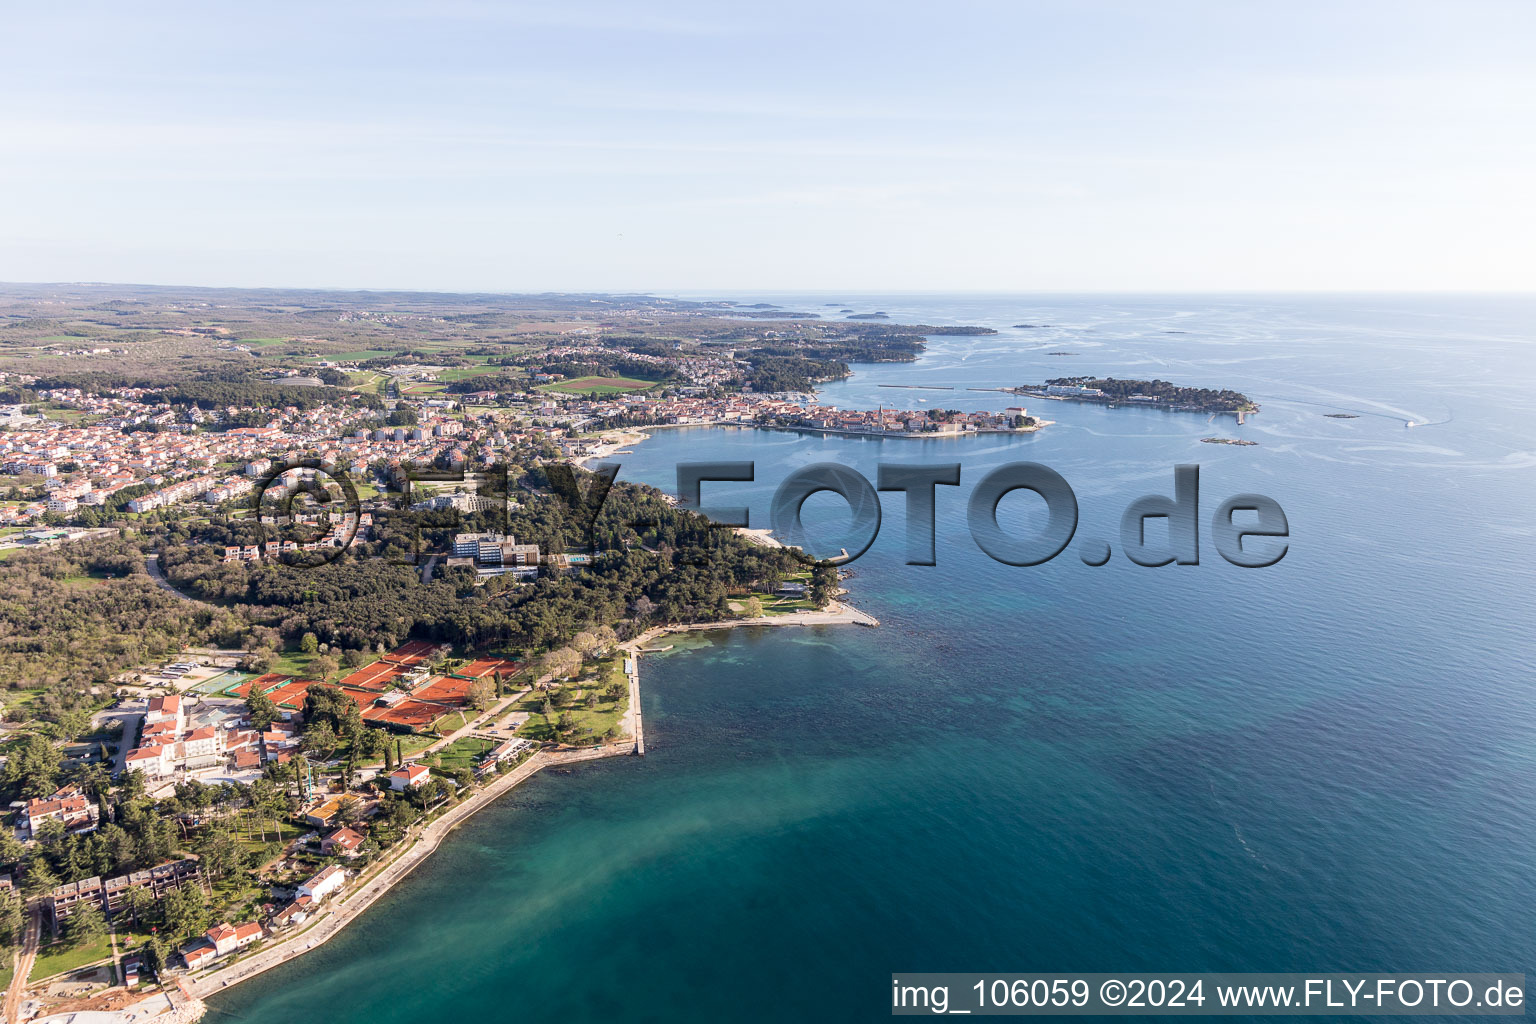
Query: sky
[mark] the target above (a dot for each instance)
(678, 147)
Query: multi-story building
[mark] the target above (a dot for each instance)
(68, 806)
(111, 895)
(494, 549)
(166, 709)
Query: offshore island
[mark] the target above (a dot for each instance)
(1158, 394)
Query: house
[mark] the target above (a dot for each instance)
(408, 777)
(227, 938)
(504, 751)
(323, 814)
(198, 954)
(296, 912)
(64, 899)
(329, 880)
(203, 747)
(343, 842)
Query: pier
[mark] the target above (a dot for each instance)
(632, 669)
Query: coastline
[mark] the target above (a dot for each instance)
(354, 903)
(637, 435)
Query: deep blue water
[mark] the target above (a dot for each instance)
(1323, 765)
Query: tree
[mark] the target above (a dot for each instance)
(823, 584)
(260, 660)
(221, 853)
(564, 661)
(261, 710)
(32, 769)
(331, 704)
(85, 924)
(139, 902)
(753, 608)
(324, 667)
(40, 879)
(482, 694)
(431, 791)
(320, 739)
(11, 848)
(350, 811)
(94, 777)
(186, 911)
(12, 921)
(309, 644)
(133, 787)
(154, 954)
(50, 831)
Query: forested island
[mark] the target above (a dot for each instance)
(1159, 393)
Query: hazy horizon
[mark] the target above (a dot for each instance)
(1092, 148)
(703, 294)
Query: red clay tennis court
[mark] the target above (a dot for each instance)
(411, 653)
(291, 694)
(486, 666)
(449, 689)
(413, 714)
(373, 677)
(362, 698)
(261, 684)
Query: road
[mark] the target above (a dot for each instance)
(24, 960)
(477, 724)
(342, 910)
(152, 566)
(129, 716)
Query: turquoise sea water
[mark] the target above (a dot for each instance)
(1329, 764)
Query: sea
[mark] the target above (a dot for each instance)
(1326, 764)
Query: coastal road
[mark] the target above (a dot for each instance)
(352, 902)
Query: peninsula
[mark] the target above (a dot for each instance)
(296, 582)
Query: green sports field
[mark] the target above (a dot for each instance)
(602, 385)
